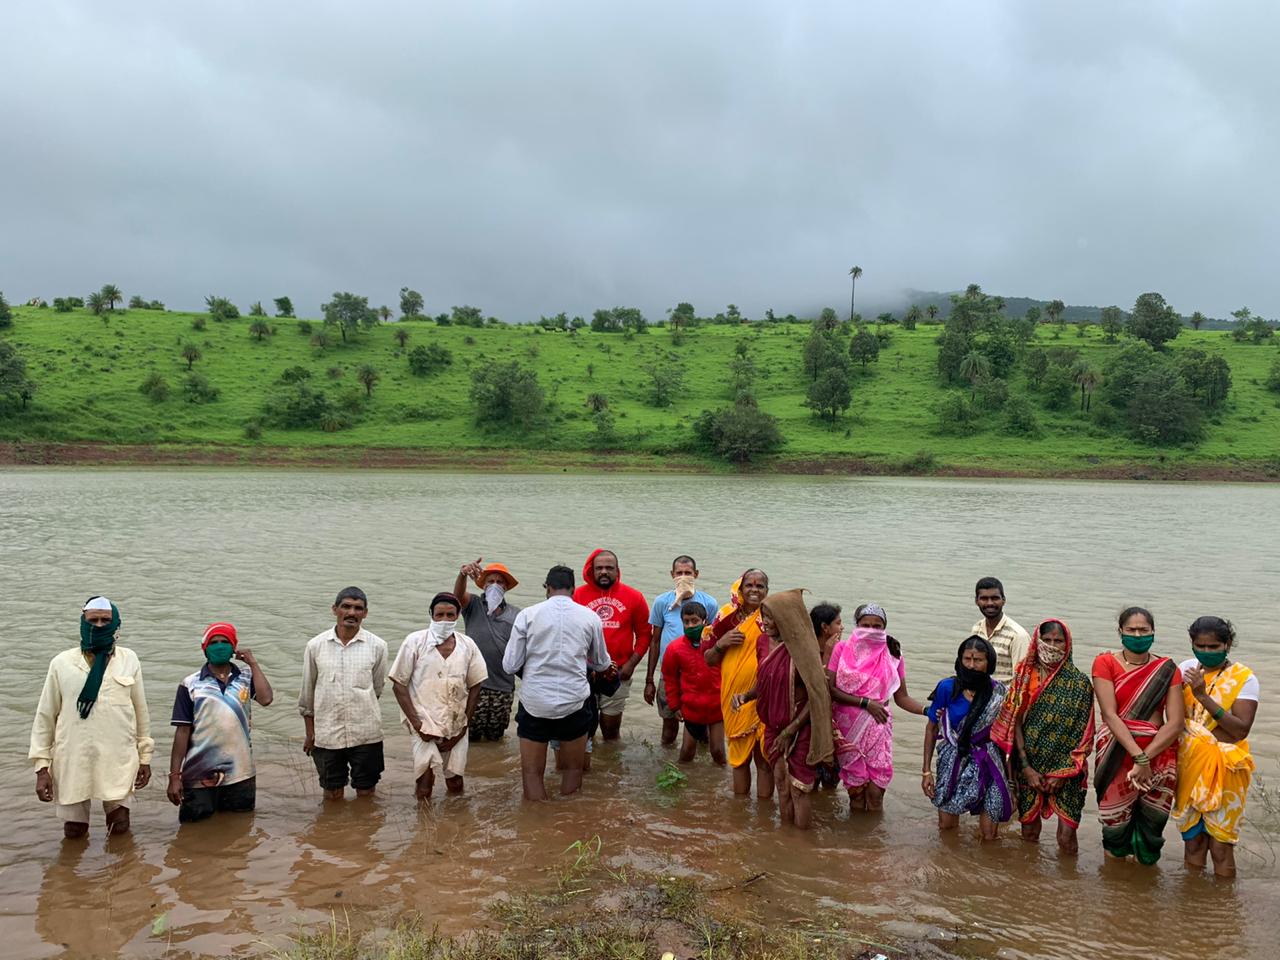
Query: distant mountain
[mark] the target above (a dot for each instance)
(1017, 307)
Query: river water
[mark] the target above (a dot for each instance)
(268, 550)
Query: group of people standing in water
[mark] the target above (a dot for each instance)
(778, 691)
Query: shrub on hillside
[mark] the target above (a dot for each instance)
(6, 314)
(1162, 410)
(957, 417)
(429, 359)
(294, 375)
(1058, 388)
(992, 394)
(1207, 375)
(506, 394)
(1020, 418)
(1273, 375)
(296, 404)
(740, 433)
(196, 388)
(665, 381)
(155, 388)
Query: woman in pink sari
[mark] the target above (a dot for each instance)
(864, 673)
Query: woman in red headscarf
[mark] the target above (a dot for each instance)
(211, 764)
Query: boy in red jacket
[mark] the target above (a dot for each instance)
(624, 615)
(693, 687)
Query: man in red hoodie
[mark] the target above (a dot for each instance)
(624, 615)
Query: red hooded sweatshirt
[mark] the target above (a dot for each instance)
(623, 612)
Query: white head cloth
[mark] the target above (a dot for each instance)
(98, 603)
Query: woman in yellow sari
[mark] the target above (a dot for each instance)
(735, 631)
(1214, 763)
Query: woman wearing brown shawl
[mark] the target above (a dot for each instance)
(793, 703)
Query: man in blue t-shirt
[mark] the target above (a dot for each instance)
(665, 624)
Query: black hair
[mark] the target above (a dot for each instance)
(981, 695)
(823, 615)
(989, 583)
(560, 577)
(351, 593)
(693, 606)
(1128, 612)
(1222, 629)
(687, 558)
(444, 597)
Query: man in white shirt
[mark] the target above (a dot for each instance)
(1010, 640)
(91, 738)
(343, 672)
(436, 679)
(552, 646)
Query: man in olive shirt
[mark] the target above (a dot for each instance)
(489, 618)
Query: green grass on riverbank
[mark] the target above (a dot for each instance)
(88, 371)
(592, 912)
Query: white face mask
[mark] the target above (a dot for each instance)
(684, 585)
(493, 595)
(443, 629)
(1050, 656)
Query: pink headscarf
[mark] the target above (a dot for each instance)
(866, 668)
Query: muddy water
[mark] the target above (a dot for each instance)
(268, 550)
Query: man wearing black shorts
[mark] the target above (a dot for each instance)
(552, 645)
(343, 672)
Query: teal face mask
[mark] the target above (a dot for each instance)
(219, 652)
(694, 634)
(1138, 644)
(1210, 659)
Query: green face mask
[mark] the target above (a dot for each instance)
(694, 634)
(1138, 644)
(219, 652)
(1210, 659)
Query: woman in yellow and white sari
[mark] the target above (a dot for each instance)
(1214, 763)
(735, 637)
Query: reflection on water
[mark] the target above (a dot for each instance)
(268, 550)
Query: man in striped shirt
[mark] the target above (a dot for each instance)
(343, 672)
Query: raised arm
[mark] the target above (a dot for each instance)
(465, 572)
(262, 693)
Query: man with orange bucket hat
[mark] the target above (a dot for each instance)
(211, 764)
(489, 616)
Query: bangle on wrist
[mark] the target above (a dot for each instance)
(1219, 713)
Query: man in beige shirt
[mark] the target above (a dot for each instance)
(436, 678)
(91, 739)
(343, 672)
(1010, 641)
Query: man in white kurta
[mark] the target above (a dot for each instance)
(436, 678)
(103, 756)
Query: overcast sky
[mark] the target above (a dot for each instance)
(543, 156)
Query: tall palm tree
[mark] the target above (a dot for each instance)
(96, 302)
(854, 274)
(1087, 378)
(932, 311)
(111, 293)
(975, 368)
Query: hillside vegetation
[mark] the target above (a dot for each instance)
(153, 377)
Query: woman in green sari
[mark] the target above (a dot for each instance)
(1046, 727)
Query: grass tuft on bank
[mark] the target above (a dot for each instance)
(592, 912)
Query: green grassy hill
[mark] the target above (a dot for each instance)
(88, 371)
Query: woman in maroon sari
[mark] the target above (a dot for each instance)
(793, 703)
(1136, 770)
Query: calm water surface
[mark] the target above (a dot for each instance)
(268, 550)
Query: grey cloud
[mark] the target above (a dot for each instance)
(530, 158)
